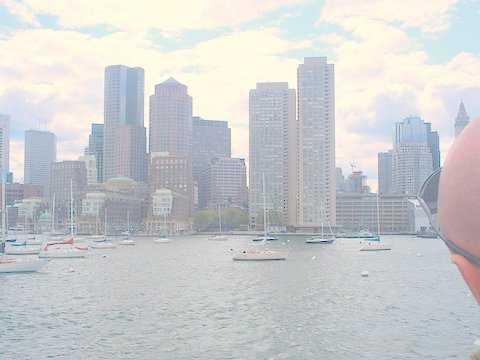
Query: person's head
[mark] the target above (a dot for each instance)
(458, 206)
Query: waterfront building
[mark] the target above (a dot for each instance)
(316, 141)
(210, 139)
(124, 152)
(4, 144)
(225, 183)
(66, 175)
(123, 201)
(95, 148)
(173, 173)
(171, 119)
(385, 172)
(273, 157)
(357, 183)
(358, 211)
(91, 165)
(412, 160)
(40, 154)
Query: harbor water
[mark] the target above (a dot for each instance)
(188, 300)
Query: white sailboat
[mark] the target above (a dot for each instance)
(374, 244)
(265, 236)
(127, 241)
(65, 248)
(103, 242)
(9, 264)
(323, 238)
(260, 254)
(219, 236)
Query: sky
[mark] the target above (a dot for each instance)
(392, 59)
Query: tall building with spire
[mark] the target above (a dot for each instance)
(461, 120)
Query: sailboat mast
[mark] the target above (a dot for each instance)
(264, 207)
(4, 213)
(219, 219)
(53, 214)
(378, 215)
(71, 207)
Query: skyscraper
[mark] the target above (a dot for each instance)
(171, 119)
(272, 153)
(412, 160)
(461, 120)
(95, 148)
(124, 132)
(210, 139)
(316, 129)
(385, 172)
(40, 153)
(4, 144)
(434, 145)
(225, 183)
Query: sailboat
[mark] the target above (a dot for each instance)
(65, 248)
(374, 243)
(219, 236)
(260, 254)
(9, 264)
(265, 236)
(102, 242)
(323, 238)
(126, 239)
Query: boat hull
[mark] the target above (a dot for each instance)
(319, 241)
(62, 254)
(21, 251)
(266, 255)
(162, 241)
(103, 245)
(375, 247)
(126, 243)
(21, 266)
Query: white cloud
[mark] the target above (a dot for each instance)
(170, 16)
(429, 15)
(384, 75)
(57, 76)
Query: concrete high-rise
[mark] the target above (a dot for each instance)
(461, 120)
(171, 119)
(95, 148)
(40, 153)
(4, 145)
(225, 183)
(433, 141)
(385, 172)
(272, 151)
(316, 134)
(412, 160)
(210, 139)
(124, 151)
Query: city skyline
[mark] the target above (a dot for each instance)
(370, 93)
